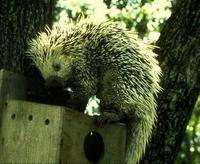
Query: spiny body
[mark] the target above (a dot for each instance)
(104, 60)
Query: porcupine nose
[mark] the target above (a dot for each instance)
(56, 66)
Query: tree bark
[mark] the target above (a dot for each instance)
(179, 56)
(19, 21)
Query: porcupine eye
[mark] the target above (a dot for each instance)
(56, 66)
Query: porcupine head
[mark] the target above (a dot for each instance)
(47, 54)
(54, 60)
(84, 56)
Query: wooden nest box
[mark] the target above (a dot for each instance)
(41, 133)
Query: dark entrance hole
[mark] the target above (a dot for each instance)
(94, 146)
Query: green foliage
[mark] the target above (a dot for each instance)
(190, 149)
(145, 17)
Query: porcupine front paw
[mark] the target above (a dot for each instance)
(109, 117)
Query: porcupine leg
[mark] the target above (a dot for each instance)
(77, 102)
(111, 97)
(83, 90)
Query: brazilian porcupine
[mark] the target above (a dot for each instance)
(104, 60)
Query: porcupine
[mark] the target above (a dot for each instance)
(105, 60)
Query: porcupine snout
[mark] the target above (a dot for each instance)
(54, 82)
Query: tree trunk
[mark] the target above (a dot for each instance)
(19, 21)
(179, 56)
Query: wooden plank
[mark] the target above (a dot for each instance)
(26, 138)
(31, 133)
(12, 86)
(76, 126)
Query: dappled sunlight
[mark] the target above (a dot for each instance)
(156, 12)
